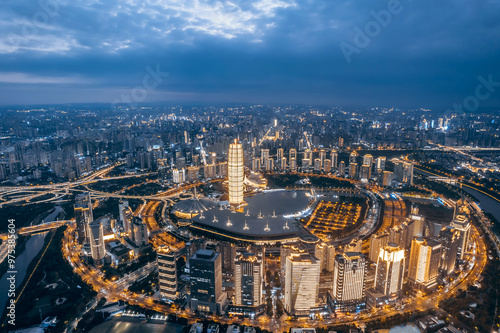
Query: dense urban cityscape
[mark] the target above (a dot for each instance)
(262, 166)
(249, 218)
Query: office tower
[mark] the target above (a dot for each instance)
(227, 253)
(288, 249)
(353, 157)
(301, 283)
(334, 156)
(206, 282)
(353, 170)
(192, 173)
(192, 246)
(305, 164)
(256, 164)
(398, 171)
(450, 240)
(167, 272)
(399, 235)
(462, 225)
(292, 154)
(281, 154)
(139, 234)
(130, 161)
(322, 156)
(416, 224)
(82, 216)
(377, 242)
(380, 163)
(425, 256)
(269, 165)
(390, 270)
(368, 160)
(248, 279)
(264, 155)
(387, 177)
(317, 164)
(366, 172)
(283, 163)
(97, 247)
(408, 173)
(320, 252)
(308, 155)
(342, 169)
(213, 158)
(327, 166)
(349, 277)
(330, 258)
(235, 173)
(125, 214)
(293, 164)
(179, 176)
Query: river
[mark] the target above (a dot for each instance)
(23, 260)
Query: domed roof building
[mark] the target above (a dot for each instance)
(187, 209)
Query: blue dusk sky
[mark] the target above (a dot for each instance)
(421, 53)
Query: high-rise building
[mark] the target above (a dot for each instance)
(281, 154)
(390, 270)
(82, 216)
(342, 169)
(179, 176)
(264, 154)
(377, 242)
(167, 272)
(387, 178)
(248, 279)
(322, 156)
(293, 164)
(349, 276)
(139, 234)
(301, 283)
(368, 160)
(256, 164)
(450, 240)
(97, 247)
(334, 156)
(353, 170)
(425, 257)
(235, 173)
(353, 157)
(366, 172)
(206, 282)
(380, 163)
(283, 163)
(462, 225)
(408, 173)
(292, 154)
(327, 166)
(317, 164)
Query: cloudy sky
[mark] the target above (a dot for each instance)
(423, 53)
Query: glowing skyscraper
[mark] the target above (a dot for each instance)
(235, 173)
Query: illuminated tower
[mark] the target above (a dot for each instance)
(249, 275)
(349, 278)
(97, 246)
(301, 283)
(235, 173)
(167, 272)
(390, 270)
(425, 256)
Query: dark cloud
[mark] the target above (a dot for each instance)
(429, 55)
